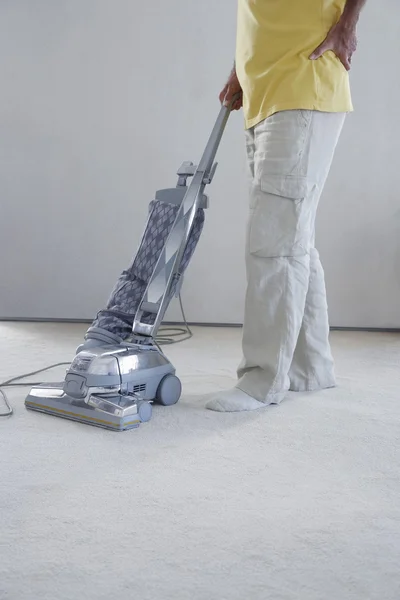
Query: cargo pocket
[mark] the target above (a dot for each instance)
(278, 224)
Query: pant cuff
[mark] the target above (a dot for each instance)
(311, 385)
(258, 394)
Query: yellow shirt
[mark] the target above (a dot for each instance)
(274, 41)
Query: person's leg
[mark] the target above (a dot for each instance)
(312, 367)
(238, 399)
(293, 151)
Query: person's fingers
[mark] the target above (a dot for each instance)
(237, 105)
(228, 97)
(346, 62)
(322, 48)
(223, 94)
(230, 92)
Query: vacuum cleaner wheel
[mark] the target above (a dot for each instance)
(144, 411)
(169, 390)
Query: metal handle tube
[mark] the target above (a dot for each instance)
(206, 161)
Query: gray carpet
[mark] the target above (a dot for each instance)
(297, 502)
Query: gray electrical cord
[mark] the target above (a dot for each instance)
(13, 383)
(166, 336)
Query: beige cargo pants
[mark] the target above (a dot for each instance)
(286, 329)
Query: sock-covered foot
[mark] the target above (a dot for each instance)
(233, 401)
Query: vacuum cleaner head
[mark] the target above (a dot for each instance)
(110, 387)
(52, 400)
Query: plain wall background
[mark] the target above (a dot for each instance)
(102, 100)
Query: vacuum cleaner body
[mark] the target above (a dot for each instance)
(110, 387)
(119, 371)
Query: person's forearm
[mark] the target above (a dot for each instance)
(351, 13)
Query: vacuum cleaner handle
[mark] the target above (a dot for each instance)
(166, 272)
(207, 160)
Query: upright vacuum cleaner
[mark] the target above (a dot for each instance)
(119, 371)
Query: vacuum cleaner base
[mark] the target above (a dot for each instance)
(110, 387)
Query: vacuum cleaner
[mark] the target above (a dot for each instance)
(120, 370)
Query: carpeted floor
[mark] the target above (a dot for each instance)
(297, 502)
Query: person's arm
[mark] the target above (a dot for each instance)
(342, 38)
(351, 13)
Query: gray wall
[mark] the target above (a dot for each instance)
(102, 100)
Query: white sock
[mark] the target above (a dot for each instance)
(233, 401)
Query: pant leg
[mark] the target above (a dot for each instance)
(313, 365)
(293, 151)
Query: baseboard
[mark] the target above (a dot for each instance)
(368, 329)
(42, 320)
(194, 324)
